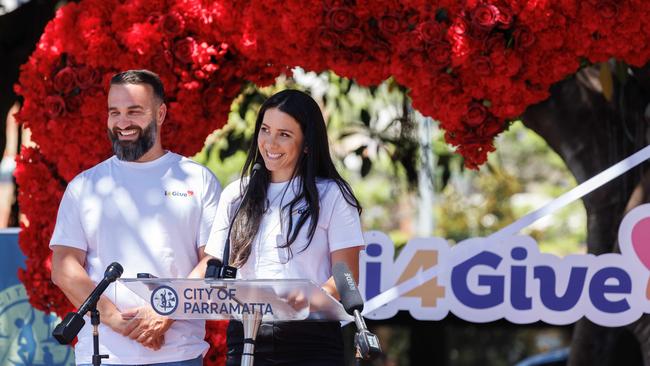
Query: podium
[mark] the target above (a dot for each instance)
(249, 301)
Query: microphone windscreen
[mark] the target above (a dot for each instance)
(212, 270)
(113, 271)
(347, 288)
(214, 262)
(256, 168)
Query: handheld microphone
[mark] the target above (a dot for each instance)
(65, 331)
(366, 342)
(226, 270)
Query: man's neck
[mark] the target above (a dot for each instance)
(154, 153)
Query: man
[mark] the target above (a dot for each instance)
(149, 210)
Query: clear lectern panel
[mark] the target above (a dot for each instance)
(275, 300)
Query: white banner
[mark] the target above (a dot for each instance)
(505, 275)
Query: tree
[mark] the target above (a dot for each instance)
(592, 128)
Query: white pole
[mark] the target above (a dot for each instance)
(426, 191)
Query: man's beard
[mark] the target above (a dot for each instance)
(134, 150)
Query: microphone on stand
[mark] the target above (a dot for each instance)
(366, 343)
(65, 331)
(227, 271)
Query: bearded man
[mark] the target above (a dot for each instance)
(146, 208)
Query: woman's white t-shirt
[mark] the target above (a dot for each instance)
(338, 227)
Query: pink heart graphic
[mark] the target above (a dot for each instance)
(641, 241)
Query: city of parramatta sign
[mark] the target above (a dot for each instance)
(485, 279)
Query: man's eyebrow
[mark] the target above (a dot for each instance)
(135, 106)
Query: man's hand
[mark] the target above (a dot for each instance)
(144, 326)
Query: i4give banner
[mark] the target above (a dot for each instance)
(484, 279)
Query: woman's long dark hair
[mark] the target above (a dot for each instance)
(314, 163)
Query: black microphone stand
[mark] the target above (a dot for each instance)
(69, 327)
(94, 321)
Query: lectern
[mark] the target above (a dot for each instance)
(249, 301)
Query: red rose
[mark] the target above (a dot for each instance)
(211, 99)
(485, 16)
(342, 19)
(459, 27)
(73, 103)
(54, 106)
(482, 65)
(87, 77)
(476, 114)
(504, 19)
(431, 31)
(419, 60)
(513, 65)
(495, 40)
(172, 24)
(168, 56)
(64, 80)
(524, 38)
(607, 9)
(389, 24)
(352, 38)
(381, 52)
(153, 17)
(185, 49)
(440, 53)
(490, 128)
(328, 39)
(446, 83)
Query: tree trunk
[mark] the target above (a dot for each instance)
(591, 133)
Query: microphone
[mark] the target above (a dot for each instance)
(213, 268)
(367, 343)
(226, 270)
(65, 331)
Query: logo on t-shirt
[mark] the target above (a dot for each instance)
(164, 300)
(179, 193)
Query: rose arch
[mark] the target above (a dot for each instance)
(473, 65)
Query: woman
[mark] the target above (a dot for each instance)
(298, 219)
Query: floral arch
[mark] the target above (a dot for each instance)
(472, 64)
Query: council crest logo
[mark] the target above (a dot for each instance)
(164, 300)
(25, 333)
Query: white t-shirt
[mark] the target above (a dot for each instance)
(149, 217)
(338, 227)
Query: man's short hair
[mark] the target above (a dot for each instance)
(141, 77)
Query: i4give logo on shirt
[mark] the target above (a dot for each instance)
(187, 193)
(482, 280)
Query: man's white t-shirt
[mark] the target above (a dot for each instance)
(338, 227)
(151, 218)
